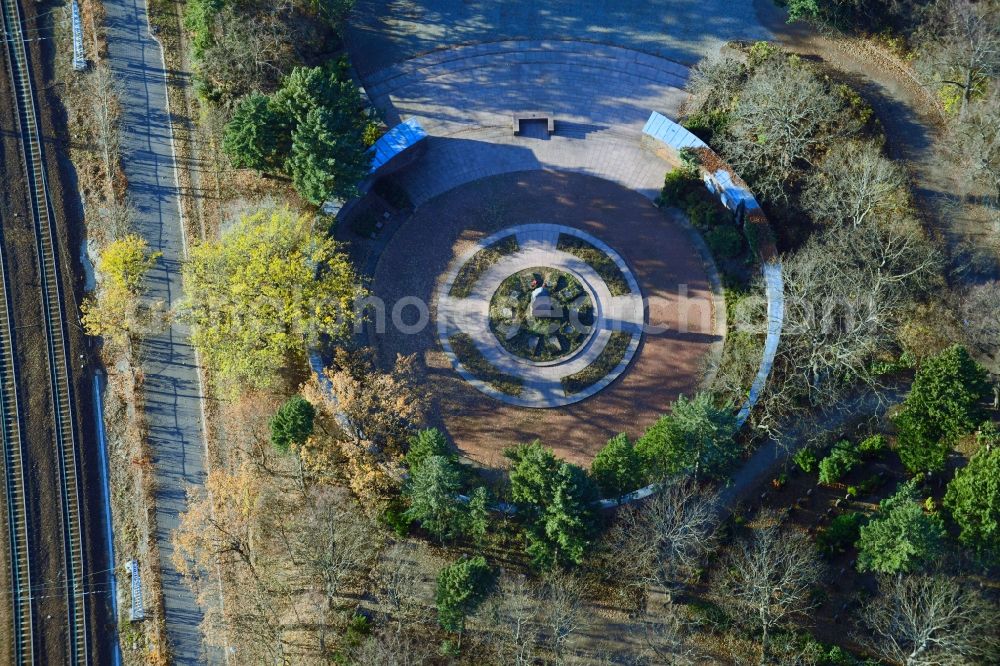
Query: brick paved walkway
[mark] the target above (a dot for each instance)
(662, 255)
(600, 97)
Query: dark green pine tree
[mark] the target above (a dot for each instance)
(943, 405)
(292, 423)
(328, 157)
(257, 137)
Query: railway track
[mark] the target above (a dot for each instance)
(55, 332)
(22, 625)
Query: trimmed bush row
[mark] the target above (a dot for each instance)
(470, 357)
(606, 361)
(481, 262)
(598, 260)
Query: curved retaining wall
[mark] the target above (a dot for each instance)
(665, 136)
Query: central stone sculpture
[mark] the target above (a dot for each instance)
(542, 306)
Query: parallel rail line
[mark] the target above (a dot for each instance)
(55, 331)
(22, 625)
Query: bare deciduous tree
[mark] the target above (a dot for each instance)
(664, 540)
(389, 648)
(105, 93)
(853, 184)
(377, 409)
(924, 620)
(286, 557)
(668, 638)
(767, 579)
(974, 143)
(714, 82)
(981, 317)
(563, 612)
(846, 293)
(513, 620)
(783, 114)
(964, 49)
(251, 53)
(115, 219)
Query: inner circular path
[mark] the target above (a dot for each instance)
(490, 367)
(664, 259)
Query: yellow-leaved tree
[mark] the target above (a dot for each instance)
(117, 312)
(272, 284)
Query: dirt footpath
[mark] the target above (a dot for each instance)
(909, 116)
(661, 255)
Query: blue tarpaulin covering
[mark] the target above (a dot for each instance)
(395, 141)
(660, 127)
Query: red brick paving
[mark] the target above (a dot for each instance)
(660, 254)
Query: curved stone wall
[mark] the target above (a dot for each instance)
(734, 194)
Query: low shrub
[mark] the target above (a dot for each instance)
(678, 185)
(358, 627)
(481, 262)
(873, 445)
(606, 361)
(706, 124)
(806, 460)
(602, 264)
(365, 224)
(724, 241)
(706, 213)
(706, 614)
(372, 132)
(803, 648)
(474, 361)
(840, 534)
(683, 188)
(394, 517)
(392, 193)
(869, 485)
(841, 460)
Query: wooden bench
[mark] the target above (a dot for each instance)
(533, 115)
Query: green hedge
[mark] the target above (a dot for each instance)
(481, 262)
(473, 360)
(604, 265)
(606, 361)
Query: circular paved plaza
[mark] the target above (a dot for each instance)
(671, 293)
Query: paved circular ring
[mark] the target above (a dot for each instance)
(541, 384)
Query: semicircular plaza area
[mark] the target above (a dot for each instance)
(671, 357)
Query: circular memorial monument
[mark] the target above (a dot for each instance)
(540, 315)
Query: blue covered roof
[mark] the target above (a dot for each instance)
(660, 127)
(395, 141)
